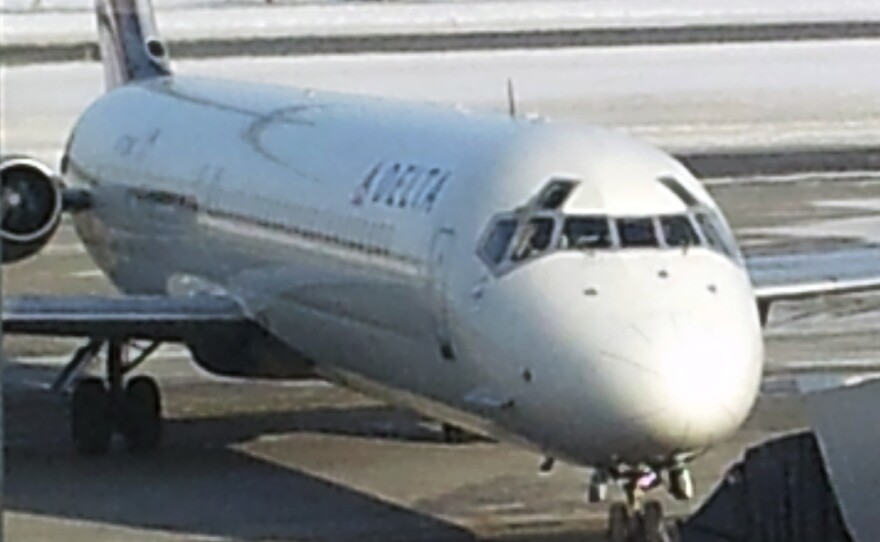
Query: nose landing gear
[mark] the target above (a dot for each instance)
(637, 520)
(681, 484)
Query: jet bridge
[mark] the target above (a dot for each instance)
(822, 485)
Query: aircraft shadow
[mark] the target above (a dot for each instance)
(201, 483)
(367, 422)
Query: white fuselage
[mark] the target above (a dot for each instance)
(353, 230)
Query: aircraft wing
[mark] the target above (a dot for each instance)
(830, 286)
(795, 276)
(131, 317)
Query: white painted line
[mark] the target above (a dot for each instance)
(34, 384)
(72, 249)
(867, 204)
(835, 366)
(305, 384)
(62, 360)
(88, 274)
(795, 378)
(289, 384)
(502, 507)
(794, 178)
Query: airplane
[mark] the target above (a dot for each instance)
(561, 287)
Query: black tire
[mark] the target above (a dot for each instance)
(654, 523)
(618, 523)
(91, 419)
(142, 420)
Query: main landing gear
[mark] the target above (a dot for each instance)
(636, 520)
(103, 407)
(452, 434)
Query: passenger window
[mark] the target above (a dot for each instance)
(536, 238)
(495, 247)
(678, 231)
(586, 233)
(637, 232)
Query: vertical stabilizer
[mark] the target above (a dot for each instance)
(130, 46)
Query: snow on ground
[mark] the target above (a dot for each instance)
(687, 97)
(870, 205)
(864, 227)
(65, 21)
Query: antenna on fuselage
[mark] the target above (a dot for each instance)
(511, 98)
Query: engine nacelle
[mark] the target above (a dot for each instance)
(32, 203)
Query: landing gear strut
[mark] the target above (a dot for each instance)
(453, 434)
(635, 520)
(101, 408)
(681, 484)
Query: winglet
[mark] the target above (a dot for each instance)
(130, 46)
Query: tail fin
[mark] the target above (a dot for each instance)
(130, 46)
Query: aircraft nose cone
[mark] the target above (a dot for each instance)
(699, 375)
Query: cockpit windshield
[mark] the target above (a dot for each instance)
(678, 231)
(511, 239)
(543, 226)
(586, 233)
(535, 238)
(637, 232)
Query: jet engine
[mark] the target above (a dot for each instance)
(31, 200)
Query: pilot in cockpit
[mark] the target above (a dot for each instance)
(585, 233)
(536, 238)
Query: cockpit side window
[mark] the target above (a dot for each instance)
(499, 238)
(535, 239)
(678, 231)
(714, 233)
(586, 233)
(680, 192)
(636, 232)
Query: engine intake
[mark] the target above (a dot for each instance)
(32, 203)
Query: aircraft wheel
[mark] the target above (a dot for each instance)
(618, 523)
(91, 417)
(142, 421)
(654, 523)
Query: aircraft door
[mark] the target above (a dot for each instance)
(441, 249)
